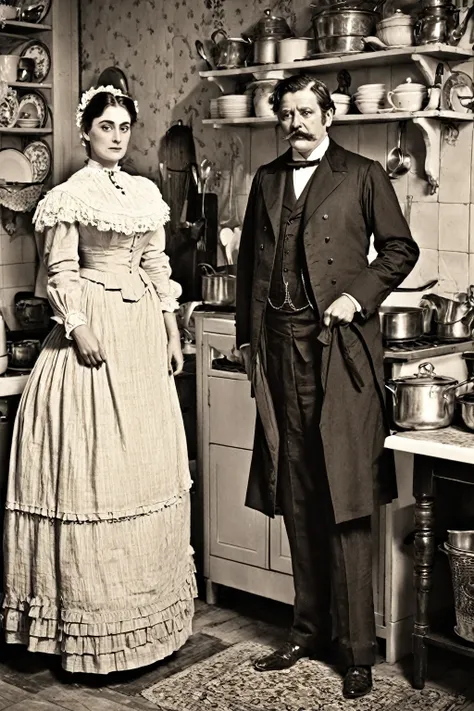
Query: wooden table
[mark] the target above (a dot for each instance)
(456, 445)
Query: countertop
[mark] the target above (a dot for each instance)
(12, 384)
(453, 443)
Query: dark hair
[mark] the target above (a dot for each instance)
(298, 82)
(100, 102)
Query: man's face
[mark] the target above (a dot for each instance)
(302, 122)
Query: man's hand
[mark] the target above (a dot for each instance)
(90, 351)
(175, 355)
(341, 311)
(245, 352)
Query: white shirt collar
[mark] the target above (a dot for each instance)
(98, 166)
(317, 154)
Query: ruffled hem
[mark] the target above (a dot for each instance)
(96, 516)
(104, 641)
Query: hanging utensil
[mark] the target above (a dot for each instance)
(398, 162)
(202, 53)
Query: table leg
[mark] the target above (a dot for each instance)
(211, 592)
(424, 550)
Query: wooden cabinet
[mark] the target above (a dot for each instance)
(242, 548)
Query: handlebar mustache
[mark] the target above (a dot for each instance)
(299, 134)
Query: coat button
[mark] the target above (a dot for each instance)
(333, 282)
(264, 228)
(325, 217)
(330, 260)
(326, 239)
(261, 246)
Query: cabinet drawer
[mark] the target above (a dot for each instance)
(231, 412)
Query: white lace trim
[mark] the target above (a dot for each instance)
(90, 198)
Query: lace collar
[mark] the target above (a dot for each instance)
(95, 165)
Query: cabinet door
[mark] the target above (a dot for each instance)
(280, 558)
(231, 412)
(236, 532)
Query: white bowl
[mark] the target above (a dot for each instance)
(341, 98)
(342, 109)
(367, 108)
(399, 19)
(372, 87)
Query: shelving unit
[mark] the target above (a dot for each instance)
(26, 131)
(425, 57)
(30, 85)
(23, 27)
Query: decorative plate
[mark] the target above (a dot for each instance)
(38, 51)
(34, 10)
(39, 155)
(9, 107)
(34, 104)
(458, 85)
(15, 167)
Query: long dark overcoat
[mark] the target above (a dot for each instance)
(350, 198)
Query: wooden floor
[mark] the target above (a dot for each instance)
(30, 682)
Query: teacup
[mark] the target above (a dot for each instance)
(406, 100)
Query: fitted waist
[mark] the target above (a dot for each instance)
(132, 283)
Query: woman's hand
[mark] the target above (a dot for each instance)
(175, 355)
(90, 351)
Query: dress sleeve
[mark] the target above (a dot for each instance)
(156, 264)
(60, 248)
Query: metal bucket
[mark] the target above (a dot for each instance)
(462, 573)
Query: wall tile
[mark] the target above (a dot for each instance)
(11, 249)
(28, 250)
(19, 275)
(453, 272)
(453, 227)
(347, 135)
(455, 171)
(424, 270)
(424, 224)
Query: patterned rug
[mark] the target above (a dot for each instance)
(227, 682)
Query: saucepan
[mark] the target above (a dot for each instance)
(218, 286)
(398, 161)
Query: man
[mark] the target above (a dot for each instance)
(308, 329)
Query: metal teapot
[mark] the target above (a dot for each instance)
(230, 52)
(436, 24)
(449, 319)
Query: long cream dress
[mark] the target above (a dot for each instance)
(99, 567)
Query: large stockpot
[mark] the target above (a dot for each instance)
(424, 401)
(218, 288)
(401, 323)
(343, 23)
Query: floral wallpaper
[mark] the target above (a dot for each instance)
(153, 42)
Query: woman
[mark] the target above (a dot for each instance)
(98, 562)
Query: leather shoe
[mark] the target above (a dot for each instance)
(282, 658)
(357, 682)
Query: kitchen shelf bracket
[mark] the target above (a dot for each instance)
(430, 129)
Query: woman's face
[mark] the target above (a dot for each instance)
(109, 136)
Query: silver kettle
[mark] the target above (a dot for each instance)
(449, 319)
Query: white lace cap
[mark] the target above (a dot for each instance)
(87, 96)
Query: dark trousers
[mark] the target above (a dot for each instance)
(332, 563)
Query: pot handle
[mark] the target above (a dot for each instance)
(207, 269)
(216, 33)
(457, 385)
(392, 386)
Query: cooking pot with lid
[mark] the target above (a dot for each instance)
(266, 35)
(425, 400)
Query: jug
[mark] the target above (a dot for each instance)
(449, 319)
(436, 24)
(230, 52)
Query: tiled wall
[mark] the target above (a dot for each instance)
(17, 259)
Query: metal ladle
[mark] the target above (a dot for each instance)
(398, 162)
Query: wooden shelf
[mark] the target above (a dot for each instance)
(26, 131)
(350, 61)
(350, 118)
(22, 27)
(442, 635)
(29, 85)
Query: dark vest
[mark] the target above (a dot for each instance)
(290, 262)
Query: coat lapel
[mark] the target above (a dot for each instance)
(273, 188)
(329, 175)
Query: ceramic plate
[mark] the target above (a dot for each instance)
(34, 10)
(35, 105)
(38, 51)
(15, 167)
(9, 109)
(458, 84)
(115, 77)
(20, 370)
(39, 155)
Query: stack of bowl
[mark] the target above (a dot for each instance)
(342, 103)
(369, 98)
(397, 30)
(234, 106)
(214, 108)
